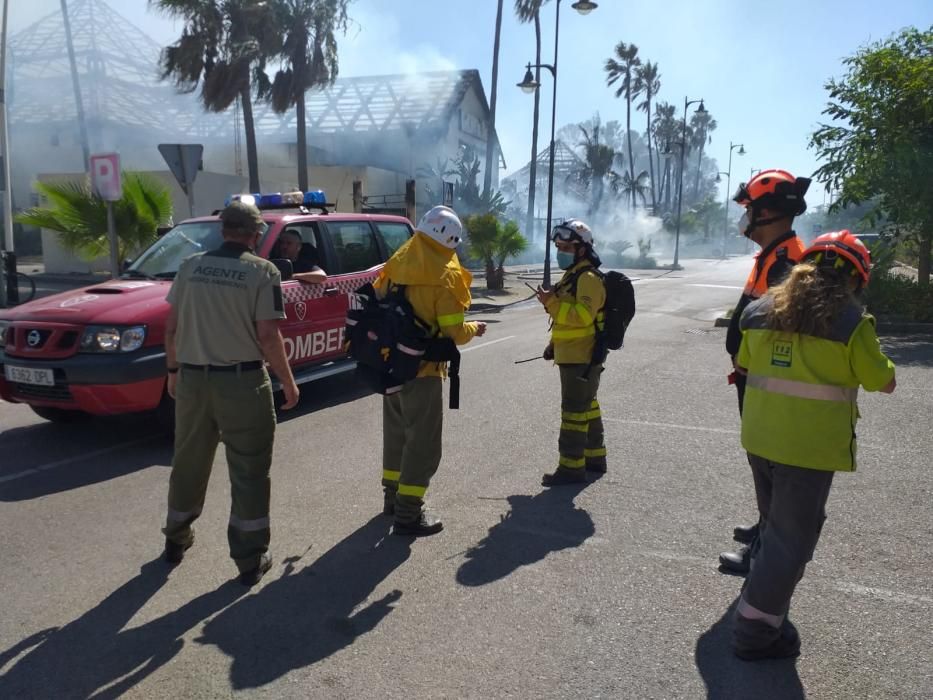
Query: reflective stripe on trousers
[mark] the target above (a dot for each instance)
(581, 428)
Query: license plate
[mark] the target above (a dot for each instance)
(24, 375)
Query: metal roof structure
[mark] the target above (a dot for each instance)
(118, 73)
(566, 164)
(117, 67)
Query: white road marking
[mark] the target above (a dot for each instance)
(483, 345)
(716, 286)
(676, 426)
(883, 593)
(76, 458)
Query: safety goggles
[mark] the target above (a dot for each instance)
(564, 233)
(741, 195)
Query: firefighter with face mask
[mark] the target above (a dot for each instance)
(438, 289)
(575, 307)
(771, 199)
(807, 347)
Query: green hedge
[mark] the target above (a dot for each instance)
(899, 297)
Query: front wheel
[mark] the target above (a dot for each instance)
(165, 413)
(59, 415)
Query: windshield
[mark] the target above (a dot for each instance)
(164, 257)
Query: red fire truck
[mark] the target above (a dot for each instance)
(99, 350)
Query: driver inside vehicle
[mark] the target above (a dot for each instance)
(302, 256)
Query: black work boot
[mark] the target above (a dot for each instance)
(564, 477)
(174, 552)
(254, 576)
(745, 534)
(425, 526)
(596, 467)
(737, 562)
(388, 502)
(785, 646)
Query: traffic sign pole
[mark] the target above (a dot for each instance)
(105, 179)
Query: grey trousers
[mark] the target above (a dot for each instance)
(791, 502)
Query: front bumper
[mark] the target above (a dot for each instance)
(97, 384)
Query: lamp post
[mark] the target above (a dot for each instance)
(725, 227)
(529, 85)
(680, 186)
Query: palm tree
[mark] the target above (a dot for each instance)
(702, 123)
(527, 11)
(224, 47)
(493, 242)
(664, 130)
(490, 135)
(598, 159)
(309, 60)
(79, 216)
(621, 69)
(649, 81)
(634, 187)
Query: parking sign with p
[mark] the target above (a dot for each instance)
(105, 176)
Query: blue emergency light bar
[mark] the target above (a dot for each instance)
(278, 200)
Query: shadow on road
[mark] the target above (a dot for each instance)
(46, 458)
(323, 394)
(95, 655)
(728, 677)
(533, 528)
(909, 350)
(308, 614)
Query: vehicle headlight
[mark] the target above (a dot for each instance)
(3, 326)
(112, 338)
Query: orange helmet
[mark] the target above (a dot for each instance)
(840, 250)
(776, 190)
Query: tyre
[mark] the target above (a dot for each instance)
(59, 415)
(165, 413)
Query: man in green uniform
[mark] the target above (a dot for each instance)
(226, 305)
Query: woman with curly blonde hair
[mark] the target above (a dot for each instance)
(806, 349)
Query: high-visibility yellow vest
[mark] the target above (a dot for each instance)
(801, 391)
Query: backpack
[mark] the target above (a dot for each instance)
(619, 309)
(389, 342)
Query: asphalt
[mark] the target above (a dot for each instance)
(603, 591)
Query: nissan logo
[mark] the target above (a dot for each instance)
(34, 338)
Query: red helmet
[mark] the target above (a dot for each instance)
(840, 250)
(774, 189)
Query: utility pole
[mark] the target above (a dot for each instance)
(79, 103)
(8, 244)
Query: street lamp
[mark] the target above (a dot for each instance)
(725, 228)
(529, 85)
(680, 187)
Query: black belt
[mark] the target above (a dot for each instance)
(239, 367)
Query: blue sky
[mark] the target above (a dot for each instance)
(759, 66)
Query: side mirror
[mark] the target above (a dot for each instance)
(126, 265)
(285, 268)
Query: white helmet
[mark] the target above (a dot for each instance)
(572, 230)
(443, 225)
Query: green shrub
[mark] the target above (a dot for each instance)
(900, 297)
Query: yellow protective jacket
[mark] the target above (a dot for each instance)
(436, 286)
(575, 317)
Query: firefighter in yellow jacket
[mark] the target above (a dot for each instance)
(575, 307)
(438, 289)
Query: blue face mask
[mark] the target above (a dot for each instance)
(565, 260)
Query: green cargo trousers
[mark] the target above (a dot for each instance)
(237, 408)
(581, 424)
(412, 427)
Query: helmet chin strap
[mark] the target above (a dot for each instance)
(754, 222)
